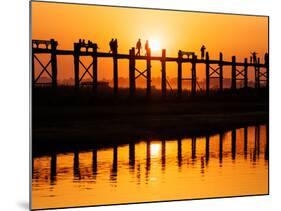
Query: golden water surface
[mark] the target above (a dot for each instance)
(234, 163)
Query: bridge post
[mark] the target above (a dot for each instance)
(221, 146)
(179, 152)
(266, 61)
(115, 72)
(148, 157)
(193, 75)
(193, 148)
(148, 72)
(94, 161)
(207, 149)
(207, 74)
(179, 73)
(95, 69)
(132, 155)
(132, 77)
(163, 154)
(257, 140)
(233, 73)
(54, 45)
(245, 73)
(258, 73)
(163, 66)
(233, 144)
(76, 65)
(115, 160)
(76, 169)
(266, 153)
(245, 141)
(53, 172)
(221, 71)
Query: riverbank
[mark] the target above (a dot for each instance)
(67, 127)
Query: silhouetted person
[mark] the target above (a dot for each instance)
(146, 47)
(95, 46)
(266, 58)
(115, 46)
(111, 45)
(254, 54)
(202, 49)
(138, 46)
(251, 59)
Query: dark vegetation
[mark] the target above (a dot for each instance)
(63, 119)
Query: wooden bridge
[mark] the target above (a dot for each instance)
(214, 68)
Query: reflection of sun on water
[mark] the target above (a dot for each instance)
(155, 149)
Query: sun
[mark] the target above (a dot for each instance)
(154, 45)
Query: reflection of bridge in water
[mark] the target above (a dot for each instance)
(134, 167)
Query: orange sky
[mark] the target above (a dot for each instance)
(230, 34)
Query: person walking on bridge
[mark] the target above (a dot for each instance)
(114, 46)
(138, 46)
(146, 47)
(254, 55)
(203, 48)
(111, 45)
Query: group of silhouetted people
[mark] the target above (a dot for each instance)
(138, 47)
(113, 44)
(266, 58)
(87, 45)
(84, 43)
(253, 58)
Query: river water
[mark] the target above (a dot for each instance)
(232, 163)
